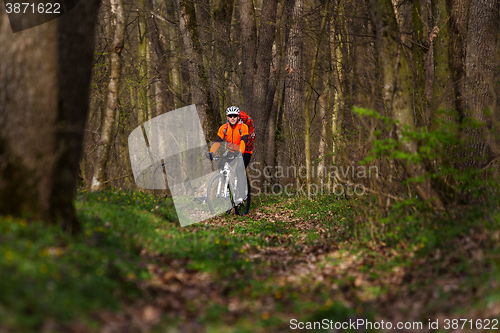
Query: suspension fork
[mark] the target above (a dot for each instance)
(226, 172)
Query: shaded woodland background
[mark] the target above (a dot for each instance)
(299, 68)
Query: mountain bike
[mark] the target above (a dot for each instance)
(222, 190)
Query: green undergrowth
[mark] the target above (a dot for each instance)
(461, 242)
(422, 228)
(48, 275)
(453, 254)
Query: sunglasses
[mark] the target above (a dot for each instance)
(233, 116)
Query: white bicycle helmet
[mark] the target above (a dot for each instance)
(232, 110)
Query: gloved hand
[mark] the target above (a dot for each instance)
(210, 156)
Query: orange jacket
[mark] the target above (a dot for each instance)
(234, 139)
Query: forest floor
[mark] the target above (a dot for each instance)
(135, 269)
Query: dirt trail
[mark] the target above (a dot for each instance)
(308, 269)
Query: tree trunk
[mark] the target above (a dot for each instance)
(323, 137)
(337, 100)
(176, 78)
(142, 95)
(248, 51)
(117, 23)
(441, 95)
(429, 34)
(273, 106)
(481, 64)
(458, 11)
(396, 95)
(260, 109)
(307, 117)
(161, 63)
(187, 27)
(44, 102)
(407, 35)
(203, 20)
(222, 40)
(293, 81)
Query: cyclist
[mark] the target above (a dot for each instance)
(235, 133)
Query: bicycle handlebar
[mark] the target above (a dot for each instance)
(226, 157)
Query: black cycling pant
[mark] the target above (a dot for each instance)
(246, 159)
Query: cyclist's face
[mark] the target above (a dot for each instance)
(233, 120)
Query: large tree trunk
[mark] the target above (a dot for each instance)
(248, 51)
(206, 36)
(187, 27)
(161, 63)
(441, 97)
(118, 29)
(458, 11)
(273, 106)
(307, 117)
(176, 77)
(396, 96)
(222, 43)
(44, 100)
(337, 78)
(481, 64)
(404, 17)
(294, 96)
(429, 34)
(260, 109)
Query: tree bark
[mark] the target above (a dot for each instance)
(118, 29)
(293, 81)
(248, 51)
(429, 34)
(260, 109)
(161, 63)
(44, 100)
(458, 11)
(442, 93)
(406, 24)
(273, 106)
(323, 138)
(307, 117)
(187, 27)
(337, 82)
(206, 36)
(481, 64)
(176, 77)
(142, 95)
(223, 14)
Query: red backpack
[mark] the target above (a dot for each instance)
(247, 120)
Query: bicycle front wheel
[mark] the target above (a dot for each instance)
(218, 199)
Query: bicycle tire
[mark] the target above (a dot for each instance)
(217, 204)
(243, 208)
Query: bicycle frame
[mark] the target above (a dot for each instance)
(226, 188)
(226, 172)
